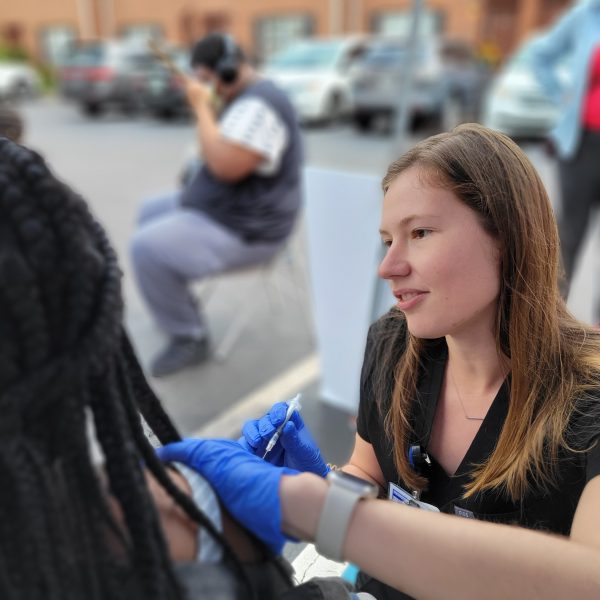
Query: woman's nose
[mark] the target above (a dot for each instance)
(394, 264)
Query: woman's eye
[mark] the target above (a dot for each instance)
(419, 234)
(386, 243)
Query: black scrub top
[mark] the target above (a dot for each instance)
(551, 510)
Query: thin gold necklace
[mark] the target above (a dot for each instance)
(467, 416)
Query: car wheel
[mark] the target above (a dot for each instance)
(384, 122)
(363, 122)
(333, 110)
(92, 109)
(130, 108)
(165, 114)
(20, 90)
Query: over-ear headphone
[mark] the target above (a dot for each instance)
(228, 65)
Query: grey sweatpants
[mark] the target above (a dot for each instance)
(173, 246)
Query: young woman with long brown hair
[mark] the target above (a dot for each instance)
(479, 370)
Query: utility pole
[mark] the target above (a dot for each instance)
(402, 116)
(400, 128)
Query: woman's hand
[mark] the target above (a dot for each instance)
(245, 484)
(295, 448)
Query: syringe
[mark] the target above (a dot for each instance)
(293, 404)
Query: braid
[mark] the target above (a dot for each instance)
(146, 400)
(64, 357)
(126, 481)
(156, 468)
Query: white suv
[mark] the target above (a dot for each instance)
(18, 80)
(317, 75)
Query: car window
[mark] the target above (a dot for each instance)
(352, 56)
(88, 55)
(456, 52)
(389, 55)
(140, 61)
(182, 60)
(307, 56)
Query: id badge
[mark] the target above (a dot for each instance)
(399, 494)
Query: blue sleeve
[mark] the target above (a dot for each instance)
(548, 50)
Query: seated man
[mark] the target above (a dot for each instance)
(238, 208)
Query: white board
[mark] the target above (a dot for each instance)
(344, 250)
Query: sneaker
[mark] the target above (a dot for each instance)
(181, 352)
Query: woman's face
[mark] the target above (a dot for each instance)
(443, 267)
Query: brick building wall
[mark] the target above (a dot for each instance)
(262, 26)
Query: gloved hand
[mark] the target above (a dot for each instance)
(295, 448)
(245, 484)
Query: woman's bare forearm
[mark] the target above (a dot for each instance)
(430, 555)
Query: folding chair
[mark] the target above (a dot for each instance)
(283, 277)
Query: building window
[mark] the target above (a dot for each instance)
(398, 23)
(55, 43)
(142, 32)
(275, 33)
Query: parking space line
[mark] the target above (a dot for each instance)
(255, 404)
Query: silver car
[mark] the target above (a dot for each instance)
(445, 88)
(516, 103)
(317, 75)
(18, 80)
(104, 74)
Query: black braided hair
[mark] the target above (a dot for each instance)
(64, 357)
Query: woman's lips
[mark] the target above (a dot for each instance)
(407, 299)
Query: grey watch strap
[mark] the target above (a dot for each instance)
(333, 522)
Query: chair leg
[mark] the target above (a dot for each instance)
(239, 323)
(289, 283)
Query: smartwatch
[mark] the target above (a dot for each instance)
(344, 492)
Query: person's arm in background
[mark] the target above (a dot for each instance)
(433, 555)
(227, 160)
(548, 50)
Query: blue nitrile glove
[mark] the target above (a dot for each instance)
(245, 484)
(295, 448)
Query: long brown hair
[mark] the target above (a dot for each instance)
(554, 358)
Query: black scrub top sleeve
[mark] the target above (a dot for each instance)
(366, 407)
(586, 430)
(593, 460)
(386, 339)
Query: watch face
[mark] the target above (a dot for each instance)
(356, 484)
